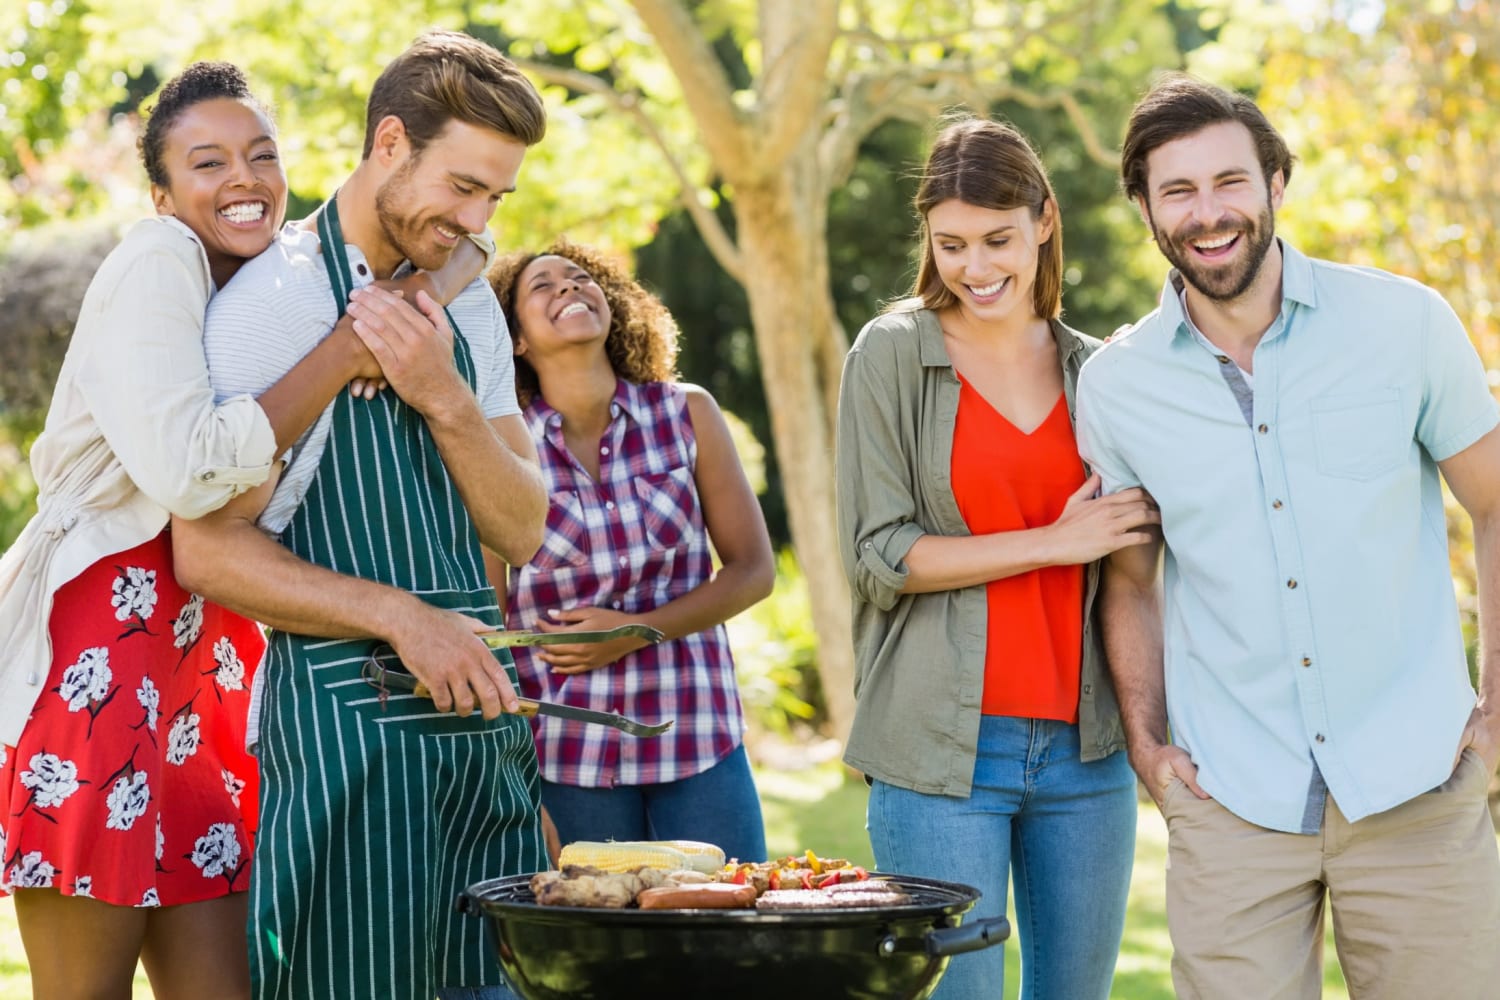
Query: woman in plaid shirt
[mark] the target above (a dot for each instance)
(642, 475)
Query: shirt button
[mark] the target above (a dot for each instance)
(1319, 738)
(1223, 359)
(617, 605)
(1291, 585)
(1088, 689)
(1263, 428)
(609, 505)
(207, 477)
(1276, 504)
(604, 450)
(362, 269)
(623, 560)
(1307, 661)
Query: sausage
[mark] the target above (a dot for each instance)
(709, 896)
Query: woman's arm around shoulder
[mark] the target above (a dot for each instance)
(141, 373)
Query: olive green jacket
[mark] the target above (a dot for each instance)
(919, 658)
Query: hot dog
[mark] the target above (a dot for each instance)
(708, 896)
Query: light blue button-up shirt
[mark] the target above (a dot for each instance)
(1310, 623)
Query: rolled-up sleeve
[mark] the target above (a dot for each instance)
(876, 508)
(146, 382)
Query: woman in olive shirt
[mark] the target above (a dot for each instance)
(969, 528)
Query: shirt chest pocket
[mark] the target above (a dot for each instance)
(667, 503)
(1360, 435)
(566, 540)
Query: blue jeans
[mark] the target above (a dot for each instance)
(1062, 829)
(718, 806)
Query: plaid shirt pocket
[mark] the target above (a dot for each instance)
(668, 502)
(566, 542)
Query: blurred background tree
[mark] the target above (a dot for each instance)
(758, 160)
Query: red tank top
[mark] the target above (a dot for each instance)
(1004, 480)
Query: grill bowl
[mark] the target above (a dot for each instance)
(880, 953)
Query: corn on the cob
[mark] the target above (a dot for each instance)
(628, 855)
(622, 855)
(706, 858)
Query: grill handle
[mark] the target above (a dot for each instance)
(943, 941)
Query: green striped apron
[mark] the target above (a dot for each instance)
(376, 813)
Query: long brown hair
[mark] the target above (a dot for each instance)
(988, 164)
(642, 340)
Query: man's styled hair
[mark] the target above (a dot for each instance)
(445, 75)
(1179, 105)
(989, 165)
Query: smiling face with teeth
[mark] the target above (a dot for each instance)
(988, 257)
(434, 197)
(224, 181)
(558, 306)
(1211, 209)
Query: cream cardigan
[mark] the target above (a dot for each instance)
(132, 437)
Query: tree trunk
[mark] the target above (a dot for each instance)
(782, 227)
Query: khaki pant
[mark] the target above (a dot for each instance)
(1415, 895)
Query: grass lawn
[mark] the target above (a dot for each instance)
(817, 808)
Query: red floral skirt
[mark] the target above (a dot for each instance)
(130, 783)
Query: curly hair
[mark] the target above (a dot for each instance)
(642, 340)
(202, 81)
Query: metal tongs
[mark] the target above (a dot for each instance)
(384, 671)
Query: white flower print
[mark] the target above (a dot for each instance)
(87, 680)
(127, 801)
(231, 674)
(161, 840)
(233, 785)
(150, 699)
(4, 754)
(31, 872)
(149, 899)
(188, 624)
(51, 780)
(217, 852)
(134, 594)
(83, 885)
(183, 740)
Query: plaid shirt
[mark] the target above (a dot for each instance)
(632, 541)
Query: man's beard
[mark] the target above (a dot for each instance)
(407, 232)
(1222, 284)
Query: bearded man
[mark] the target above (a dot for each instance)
(1304, 715)
(377, 809)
